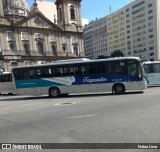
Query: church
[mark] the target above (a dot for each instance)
(28, 37)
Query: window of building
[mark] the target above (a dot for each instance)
(128, 31)
(127, 21)
(37, 21)
(64, 48)
(52, 38)
(24, 35)
(151, 48)
(151, 54)
(60, 13)
(12, 46)
(150, 5)
(75, 50)
(127, 9)
(150, 30)
(13, 63)
(138, 4)
(54, 49)
(40, 47)
(127, 15)
(26, 49)
(128, 26)
(150, 24)
(150, 11)
(72, 12)
(39, 36)
(150, 36)
(10, 36)
(27, 63)
(150, 18)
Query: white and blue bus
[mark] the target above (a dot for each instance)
(6, 85)
(152, 69)
(80, 76)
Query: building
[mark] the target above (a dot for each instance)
(88, 41)
(29, 37)
(133, 29)
(46, 7)
(100, 37)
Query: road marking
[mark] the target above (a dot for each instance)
(64, 103)
(83, 116)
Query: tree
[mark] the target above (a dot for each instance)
(117, 53)
(102, 57)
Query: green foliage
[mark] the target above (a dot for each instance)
(117, 53)
(102, 57)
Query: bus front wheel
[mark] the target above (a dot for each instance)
(119, 88)
(54, 92)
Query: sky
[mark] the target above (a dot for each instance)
(92, 9)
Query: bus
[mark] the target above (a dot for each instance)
(116, 75)
(6, 85)
(152, 69)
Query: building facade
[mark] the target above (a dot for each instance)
(29, 37)
(88, 41)
(133, 29)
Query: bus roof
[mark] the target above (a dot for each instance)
(151, 62)
(5, 73)
(71, 61)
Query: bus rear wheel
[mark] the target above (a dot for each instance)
(119, 88)
(54, 92)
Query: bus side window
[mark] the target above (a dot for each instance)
(72, 71)
(26, 74)
(56, 72)
(7, 78)
(101, 68)
(84, 69)
(32, 73)
(92, 69)
(133, 70)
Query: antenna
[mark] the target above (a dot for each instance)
(110, 9)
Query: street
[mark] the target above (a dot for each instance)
(92, 118)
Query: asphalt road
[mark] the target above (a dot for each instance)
(93, 118)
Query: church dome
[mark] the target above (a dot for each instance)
(15, 7)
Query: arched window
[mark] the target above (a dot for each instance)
(72, 12)
(40, 48)
(75, 50)
(54, 49)
(26, 49)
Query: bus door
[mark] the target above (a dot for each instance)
(134, 75)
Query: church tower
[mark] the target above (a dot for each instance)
(69, 14)
(1, 8)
